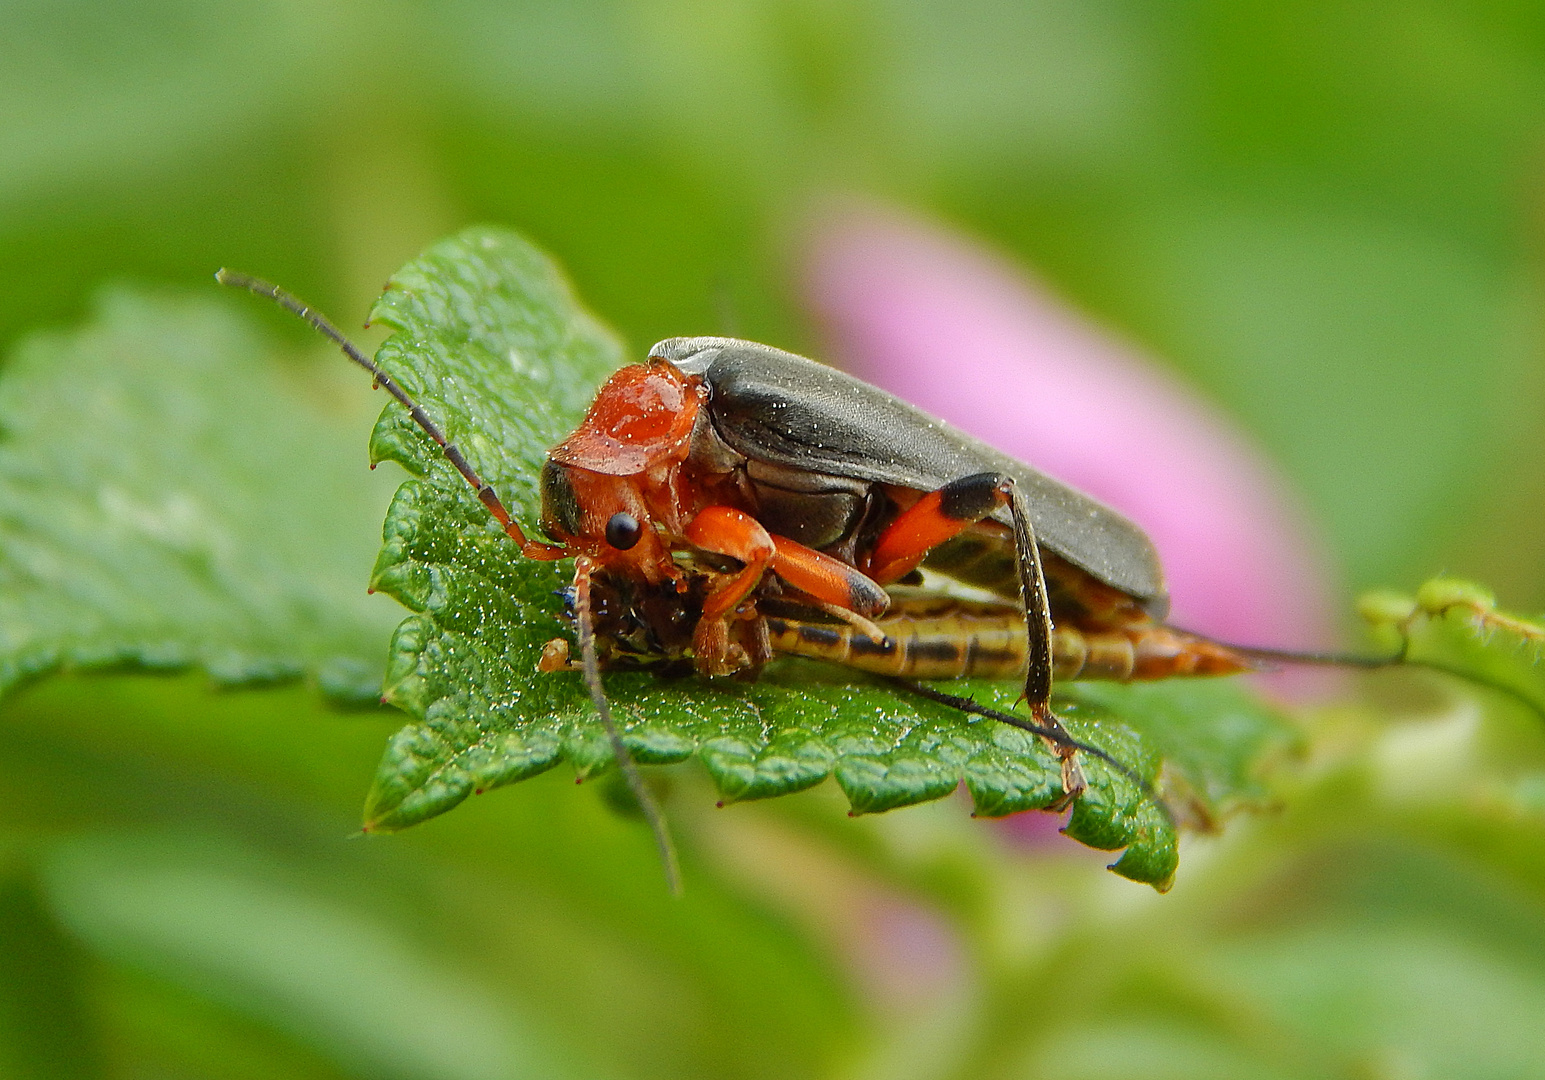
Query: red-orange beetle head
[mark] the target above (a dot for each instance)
(641, 418)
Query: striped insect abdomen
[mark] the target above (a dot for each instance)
(942, 637)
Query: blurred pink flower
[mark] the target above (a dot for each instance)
(946, 324)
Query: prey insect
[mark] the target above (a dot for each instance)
(721, 479)
(923, 635)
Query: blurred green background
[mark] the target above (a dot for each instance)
(1328, 216)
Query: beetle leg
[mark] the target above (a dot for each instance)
(740, 536)
(938, 516)
(1038, 632)
(729, 532)
(828, 580)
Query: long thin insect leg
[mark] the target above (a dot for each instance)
(485, 492)
(1038, 631)
(1056, 735)
(583, 568)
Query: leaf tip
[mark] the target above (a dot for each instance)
(1161, 887)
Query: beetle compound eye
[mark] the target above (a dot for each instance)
(560, 502)
(623, 531)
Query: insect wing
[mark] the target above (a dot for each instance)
(780, 408)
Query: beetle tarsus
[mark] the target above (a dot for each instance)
(1062, 744)
(1074, 784)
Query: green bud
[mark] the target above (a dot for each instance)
(1441, 594)
(1383, 607)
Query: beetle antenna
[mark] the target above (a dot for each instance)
(591, 666)
(1055, 735)
(319, 322)
(1400, 658)
(1315, 658)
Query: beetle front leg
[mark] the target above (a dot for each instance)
(731, 532)
(1038, 630)
(725, 531)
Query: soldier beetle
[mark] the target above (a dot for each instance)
(726, 501)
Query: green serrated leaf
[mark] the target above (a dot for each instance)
(167, 500)
(494, 345)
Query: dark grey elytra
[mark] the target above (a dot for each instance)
(775, 407)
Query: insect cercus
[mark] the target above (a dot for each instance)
(726, 501)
